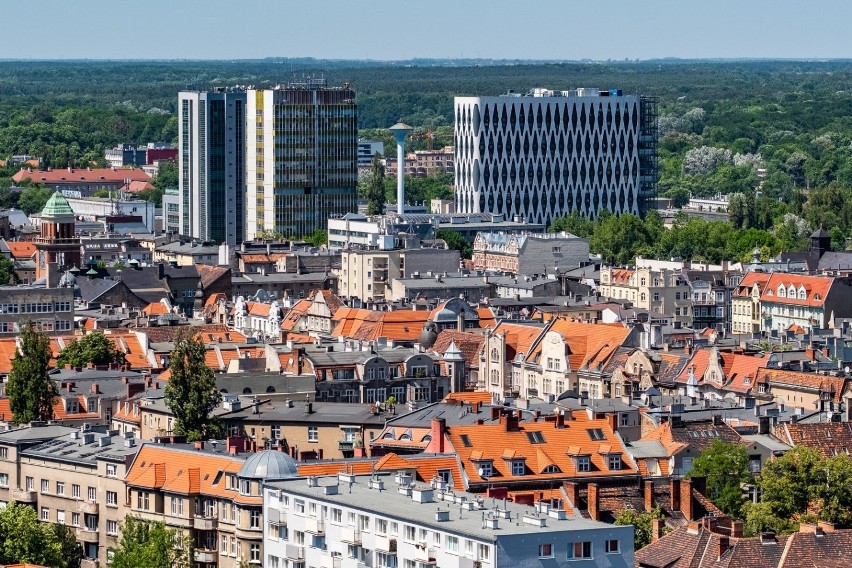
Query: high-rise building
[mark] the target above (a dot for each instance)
(212, 137)
(548, 153)
(301, 157)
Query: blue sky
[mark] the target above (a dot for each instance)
(403, 29)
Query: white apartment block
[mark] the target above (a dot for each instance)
(385, 521)
(548, 153)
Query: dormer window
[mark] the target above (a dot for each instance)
(782, 292)
(817, 297)
(518, 467)
(791, 293)
(614, 462)
(583, 464)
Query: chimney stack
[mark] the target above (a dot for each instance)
(724, 544)
(657, 529)
(593, 499)
(439, 428)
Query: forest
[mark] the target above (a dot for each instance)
(774, 135)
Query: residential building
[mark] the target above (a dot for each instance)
(662, 292)
(809, 302)
(49, 309)
(423, 163)
(126, 155)
(369, 274)
(439, 286)
(294, 284)
(363, 520)
(211, 164)
(111, 249)
(745, 303)
(529, 254)
(301, 157)
(187, 252)
(548, 153)
(367, 149)
(82, 182)
(99, 208)
(171, 221)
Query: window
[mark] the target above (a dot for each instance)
(75, 519)
(596, 434)
(545, 551)
(4, 480)
(452, 544)
(112, 498)
(445, 475)
(111, 470)
(486, 469)
(60, 488)
(408, 534)
(60, 516)
(624, 419)
(45, 486)
(612, 546)
(381, 526)
(254, 519)
(518, 467)
(364, 522)
(45, 514)
(535, 437)
(578, 550)
(299, 506)
(4, 453)
(93, 494)
(336, 516)
(484, 552)
(177, 506)
(615, 463)
(584, 464)
(112, 527)
(142, 501)
(254, 552)
(313, 434)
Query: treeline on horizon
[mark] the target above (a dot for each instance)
(775, 134)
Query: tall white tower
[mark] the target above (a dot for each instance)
(400, 130)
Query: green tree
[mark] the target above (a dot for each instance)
(154, 195)
(455, 241)
(150, 544)
(725, 466)
(642, 525)
(191, 392)
(375, 190)
(33, 199)
(23, 539)
(30, 389)
(95, 348)
(575, 224)
(786, 482)
(318, 238)
(167, 176)
(7, 271)
(620, 239)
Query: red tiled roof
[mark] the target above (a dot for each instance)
(21, 250)
(399, 325)
(621, 276)
(181, 471)
(816, 289)
(837, 386)
(93, 175)
(519, 338)
(748, 282)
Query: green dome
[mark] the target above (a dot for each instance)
(57, 206)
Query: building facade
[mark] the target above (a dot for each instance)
(211, 164)
(549, 153)
(529, 254)
(301, 157)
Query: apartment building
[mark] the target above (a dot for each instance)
(75, 478)
(808, 302)
(50, 309)
(210, 493)
(383, 521)
(662, 292)
(745, 303)
(529, 254)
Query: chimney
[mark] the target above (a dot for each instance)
(594, 505)
(826, 526)
(439, 428)
(737, 529)
(724, 544)
(809, 353)
(612, 420)
(95, 389)
(657, 528)
(474, 407)
(686, 500)
(510, 421)
(648, 494)
(199, 445)
(560, 421)
(674, 492)
(573, 492)
(763, 425)
(496, 411)
(161, 270)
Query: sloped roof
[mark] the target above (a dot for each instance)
(828, 438)
(590, 344)
(470, 344)
(810, 381)
(91, 175)
(519, 338)
(184, 471)
(399, 325)
(816, 289)
(21, 249)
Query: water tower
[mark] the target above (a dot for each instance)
(400, 130)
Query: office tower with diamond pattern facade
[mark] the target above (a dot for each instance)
(548, 153)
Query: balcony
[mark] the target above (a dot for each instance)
(293, 552)
(350, 535)
(23, 496)
(329, 561)
(89, 563)
(384, 544)
(88, 507)
(424, 554)
(205, 556)
(87, 534)
(314, 525)
(205, 523)
(345, 446)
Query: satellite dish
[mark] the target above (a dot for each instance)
(846, 369)
(480, 471)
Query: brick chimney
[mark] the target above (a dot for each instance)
(560, 421)
(510, 421)
(474, 407)
(657, 528)
(724, 545)
(737, 529)
(612, 420)
(439, 429)
(826, 526)
(572, 490)
(496, 412)
(674, 493)
(686, 500)
(594, 505)
(94, 389)
(648, 494)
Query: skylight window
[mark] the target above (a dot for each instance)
(535, 437)
(596, 434)
(466, 441)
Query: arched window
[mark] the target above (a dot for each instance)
(495, 356)
(246, 390)
(782, 292)
(270, 388)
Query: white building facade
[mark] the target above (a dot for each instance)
(211, 164)
(388, 522)
(548, 153)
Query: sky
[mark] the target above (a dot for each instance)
(445, 29)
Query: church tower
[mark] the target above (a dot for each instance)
(57, 243)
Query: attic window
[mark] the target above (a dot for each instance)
(535, 437)
(552, 469)
(466, 441)
(596, 434)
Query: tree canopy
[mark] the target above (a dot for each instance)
(375, 188)
(24, 539)
(725, 467)
(642, 524)
(30, 389)
(455, 241)
(150, 544)
(191, 392)
(95, 348)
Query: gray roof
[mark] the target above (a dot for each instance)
(71, 448)
(36, 432)
(769, 442)
(321, 412)
(281, 277)
(392, 505)
(189, 248)
(269, 465)
(330, 358)
(647, 449)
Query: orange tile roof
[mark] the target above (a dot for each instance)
(493, 441)
(155, 309)
(741, 370)
(663, 434)
(165, 375)
(137, 185)
(95, 175)
(211, 358)
(296, 313)
(21, 250)
(426, 466)
(482, 397)
(837, 386)
(332, 300)
(816, 289)
(621, 276)
(255, 258)
(590, 344)
(399, 325)
(797, 329)
(486, 317)
(470, 344)
(748, 282)
(129, 344)
(222, 337)
(182, 471)
(519, 338)
(127, 415)
(258, 309)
